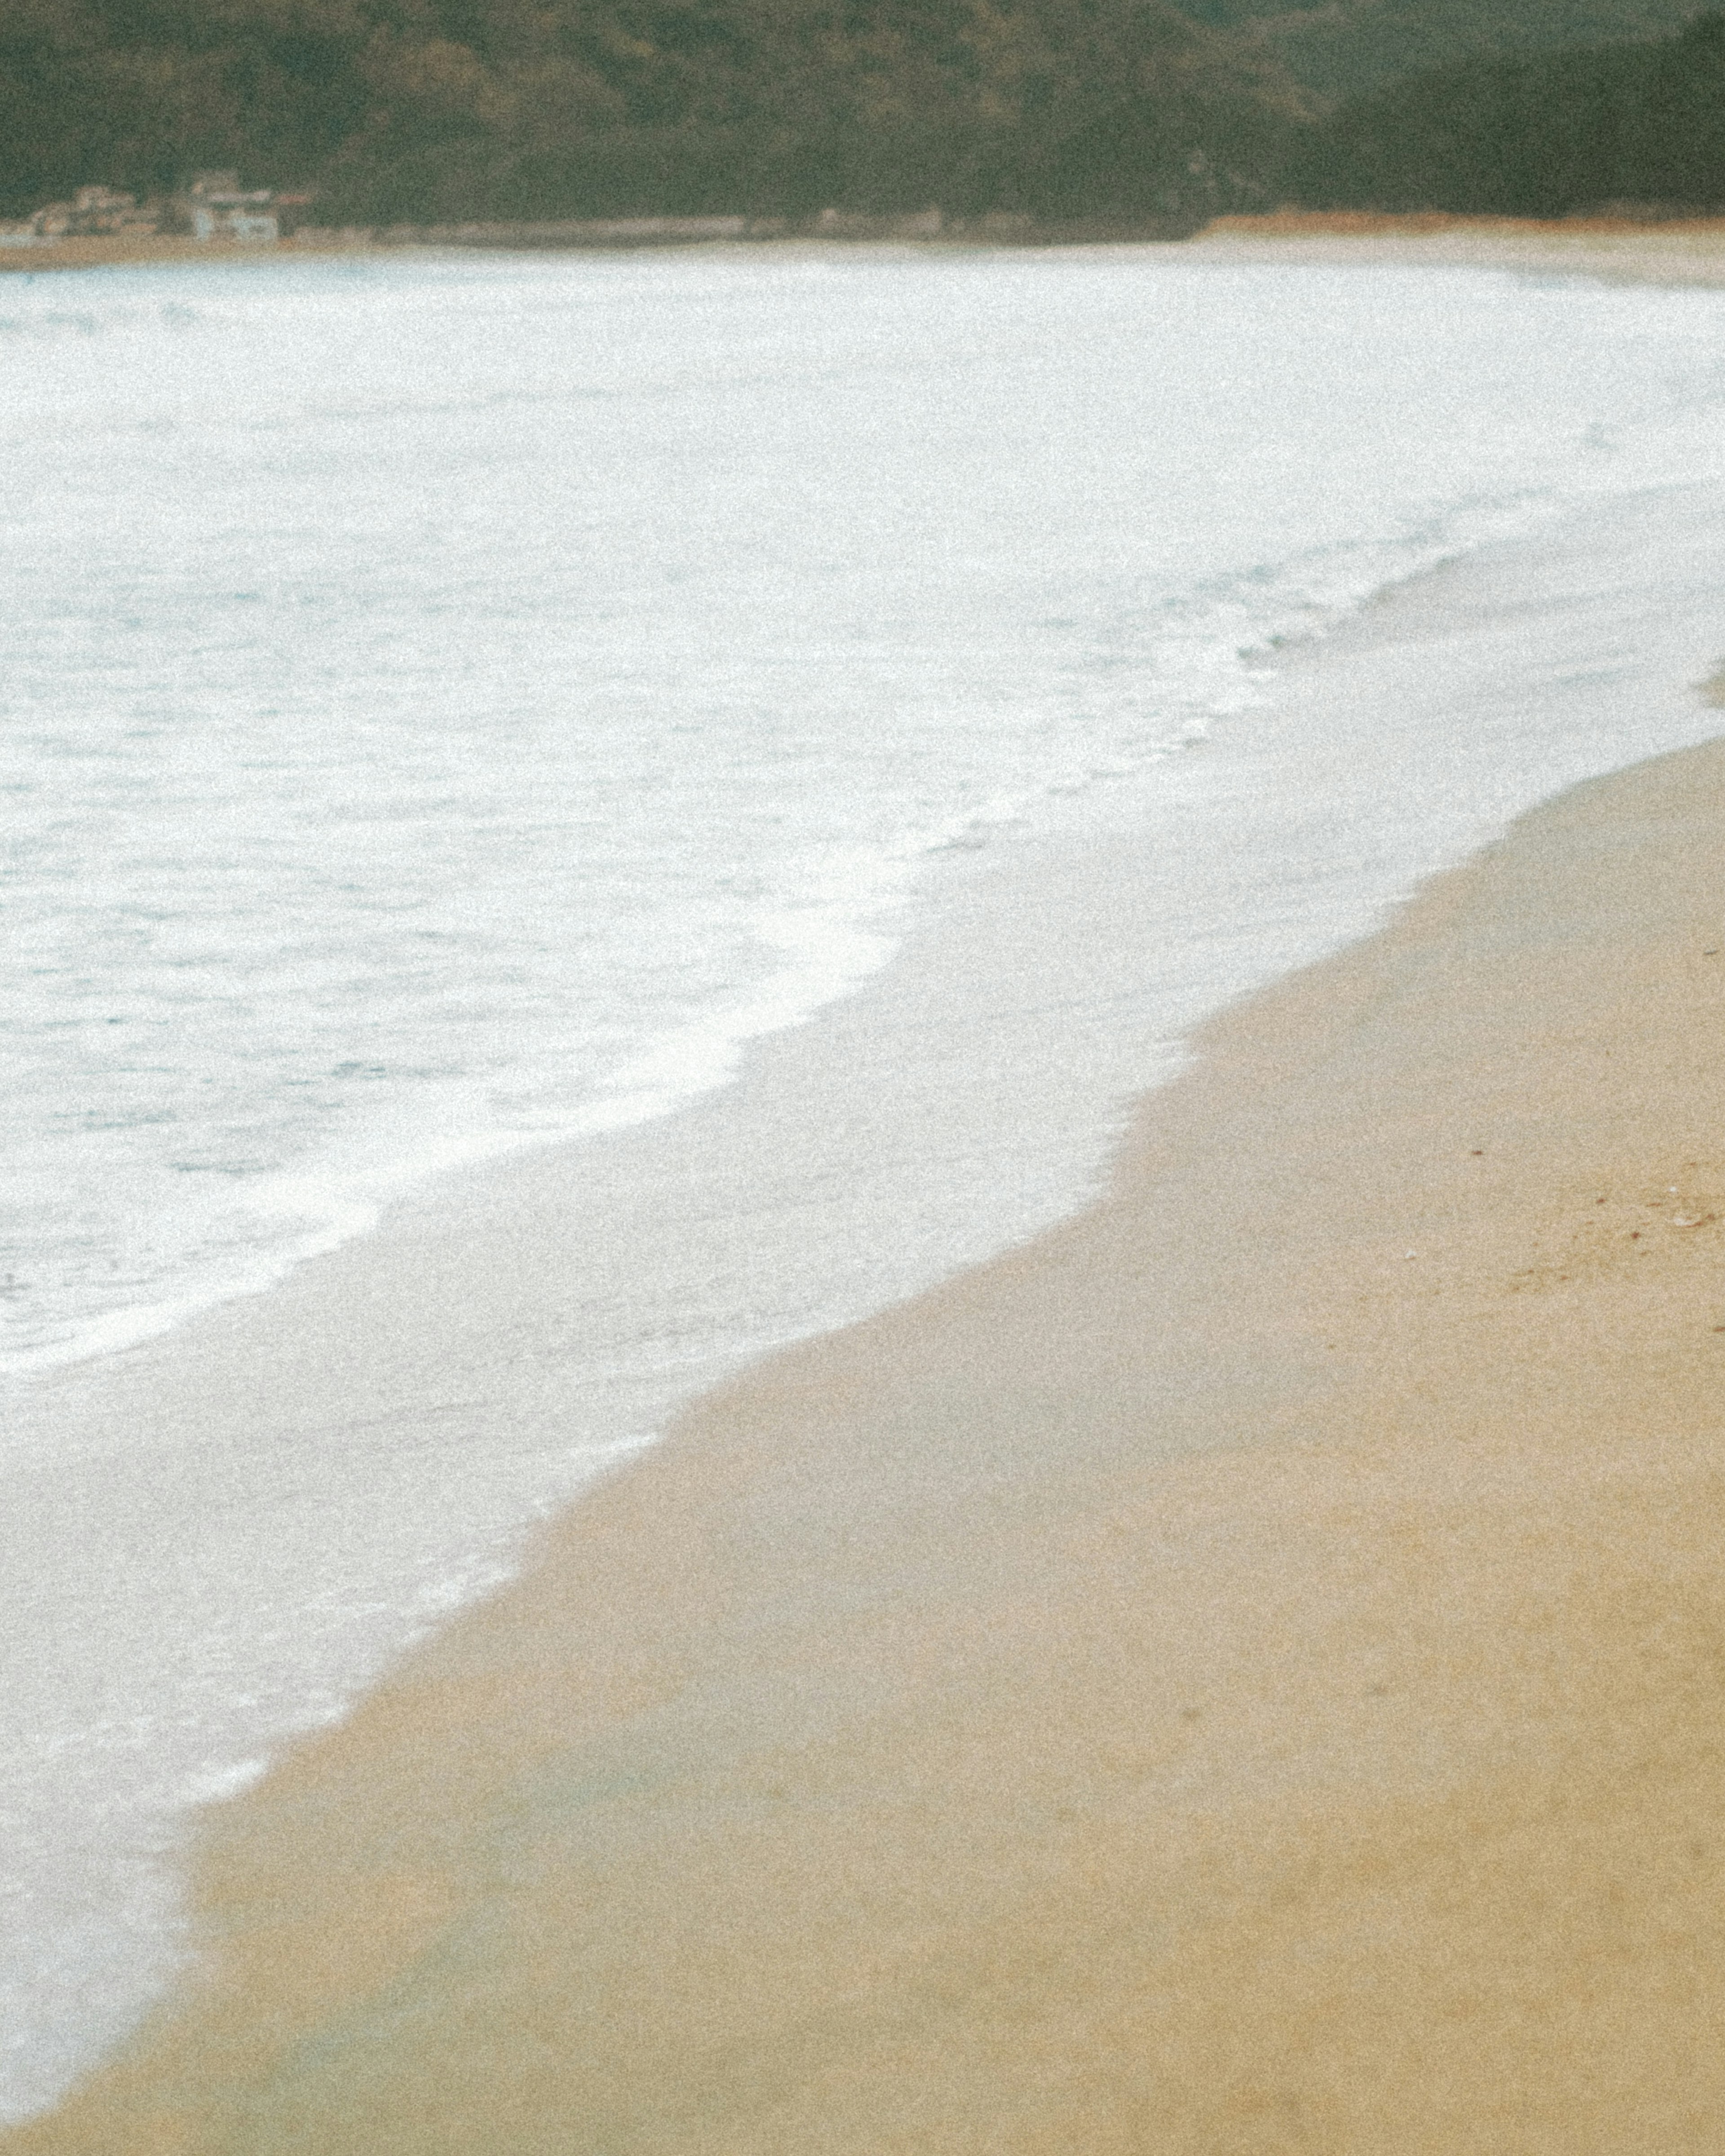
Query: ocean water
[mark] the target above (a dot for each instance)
(768, 750)
(454, 704)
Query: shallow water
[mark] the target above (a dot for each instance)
(456, 703)
(457, 706)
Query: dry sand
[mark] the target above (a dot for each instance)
(1245, 1674)
(125, 250)
(1618, 249)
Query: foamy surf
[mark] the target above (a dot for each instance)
(824, 785)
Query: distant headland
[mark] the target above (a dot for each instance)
(911, 118)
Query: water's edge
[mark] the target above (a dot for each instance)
(502, 1337)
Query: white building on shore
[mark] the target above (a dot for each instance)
(214, 206)
(210, 206)
(93, 212)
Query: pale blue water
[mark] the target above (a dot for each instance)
(456, 705)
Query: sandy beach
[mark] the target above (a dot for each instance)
(1616, 250)
(1243, 1673)
(1240, 1674)
(135, 250)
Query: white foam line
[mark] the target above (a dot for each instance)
(1200, 677)
(839, 954)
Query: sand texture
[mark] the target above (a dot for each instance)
(128, 249)
(1615, 249)
(1244, 1674)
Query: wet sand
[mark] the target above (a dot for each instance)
(1246, 1673)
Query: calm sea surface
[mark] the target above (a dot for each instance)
(452, 706)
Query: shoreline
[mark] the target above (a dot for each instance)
(1241, 1667)
(1683, 251)
(1680, 251)
(392, 1903)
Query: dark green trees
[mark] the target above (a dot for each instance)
(429, 110)
(1543, 134)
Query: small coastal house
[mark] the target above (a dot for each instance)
(214, 206)
(94, 211)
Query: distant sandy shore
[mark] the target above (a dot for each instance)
(125, 250)
(1682, 252)
(1686, 251)
(1246, 1673)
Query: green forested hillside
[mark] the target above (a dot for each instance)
(1353, 45)
(424, 110)
(1545, 135)
(429, 110)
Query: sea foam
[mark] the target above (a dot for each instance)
(582, 818)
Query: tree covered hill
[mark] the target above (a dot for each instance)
(1538, 135)
(429, 110)
(1345, 47)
